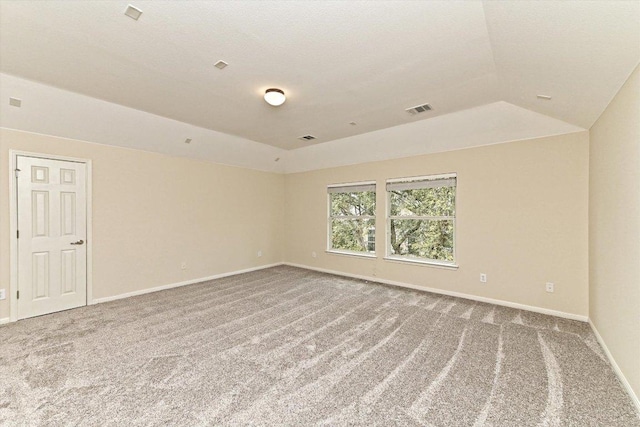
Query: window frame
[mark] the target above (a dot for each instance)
(330, 250)
(389, 256)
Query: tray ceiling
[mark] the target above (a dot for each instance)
(338, 62)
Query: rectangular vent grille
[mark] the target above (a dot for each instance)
(307, 137)
(133, 12)
(419, 109)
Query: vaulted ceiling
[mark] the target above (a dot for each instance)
(338, 62)
(87, 71)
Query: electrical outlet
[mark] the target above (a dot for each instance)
(3, 294)
(550, 287)
(183, 265)
(259, 254)
(313, 254)
(483, 278)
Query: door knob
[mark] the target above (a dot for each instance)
(79, 242)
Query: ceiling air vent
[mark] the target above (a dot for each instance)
(307, 137)
(220, 64)
(419, 109)
(133, 12)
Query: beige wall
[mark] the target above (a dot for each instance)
(521, 219)
(152, 211)
(614, 229)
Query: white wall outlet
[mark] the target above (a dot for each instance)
(259, 254)
(3, 294)
(313, 254)
(483, 278)
(550, 287)
(183, 265)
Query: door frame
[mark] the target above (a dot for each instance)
(13, 225)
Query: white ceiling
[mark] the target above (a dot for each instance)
(49, 110)
(580, 52)
(52, 111)
(484, 125)
(337, 61)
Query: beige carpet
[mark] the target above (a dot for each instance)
(287, 346)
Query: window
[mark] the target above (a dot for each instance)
(352, 221)
(421, 219)
(371, 240)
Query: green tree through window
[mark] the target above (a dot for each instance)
(352, 223)
(422, 219)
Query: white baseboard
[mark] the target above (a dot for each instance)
(449, 293)
(616, 368)
(5, 320)
(179, 284)
(339, 273)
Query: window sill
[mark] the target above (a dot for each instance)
(426, 263)
(348, 253)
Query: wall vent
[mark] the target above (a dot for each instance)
(307, 137)
(419, 109)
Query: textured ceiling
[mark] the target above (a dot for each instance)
(338, 62)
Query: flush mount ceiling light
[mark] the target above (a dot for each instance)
(274, 97)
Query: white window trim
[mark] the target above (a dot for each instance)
(422, 261)
(351, 253)
(389, 256)
(333, 251)
(351, 184)
(423, 178)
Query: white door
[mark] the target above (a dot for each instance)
(52, 255)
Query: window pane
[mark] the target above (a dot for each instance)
(439, 201)
(353, 234)
(422, 239)
(353, 204)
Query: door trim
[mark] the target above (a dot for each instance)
(13, 225)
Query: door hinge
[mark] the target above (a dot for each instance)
(17, 171)
(17, 234)
(18, 295)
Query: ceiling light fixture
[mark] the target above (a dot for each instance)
(188, 141)
(220, 64)
(274, 97)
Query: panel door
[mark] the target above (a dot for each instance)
(52, 255)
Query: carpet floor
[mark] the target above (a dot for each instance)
(287, 346)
